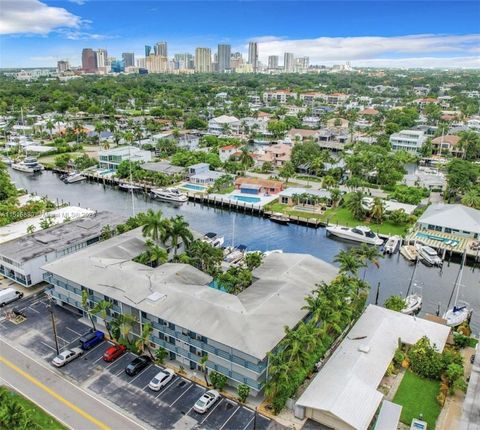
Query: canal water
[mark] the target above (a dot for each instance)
(258, 233)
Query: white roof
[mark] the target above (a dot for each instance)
(346, 386)
(457, 217)
(225, 119)
(19, 228)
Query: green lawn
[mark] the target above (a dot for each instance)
(418, 396)
(50, 159)
(43, 420)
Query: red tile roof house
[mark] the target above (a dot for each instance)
(226, 152)
(276, 154)
(258, 186)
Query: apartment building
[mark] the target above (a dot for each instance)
(280, 96)
(236, 332)
(408, 140)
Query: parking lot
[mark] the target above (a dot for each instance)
(171, 407)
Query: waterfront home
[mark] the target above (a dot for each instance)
(432, 180)
(225, 152)
(447, 144)
(408, 140)
(258, 186)
(355, 370)
(277, 154)
(455, 219)
(190, 317)
(201, 174)
(300, 134)
(164, 167)
(21, 259)
(224, 124)
(294, 196)
(111, 158)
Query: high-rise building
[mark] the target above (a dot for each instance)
(102, 58)
(302, 64)
(62, 66)
(156, 64)
(273, 62)
(128, 59)
(288, 62)
(148, 50)
(183, 61)
(89, 60)
(223, 57)
(253, 55)
(118, 66)
(203, 60)
(160, 48)
(236, 60)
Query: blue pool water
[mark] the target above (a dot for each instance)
(452, 242)
(247, 199)
(194, 187)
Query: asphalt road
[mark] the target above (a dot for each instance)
(71, 405)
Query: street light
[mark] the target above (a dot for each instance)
(54, 326)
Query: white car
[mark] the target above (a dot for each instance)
(67, 356)
(205, 402)
(161, 379)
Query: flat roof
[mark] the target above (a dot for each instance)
(58, 237)
(356, 368)
(19, 228)
(163, 166)
(252, 322)
(290, 192)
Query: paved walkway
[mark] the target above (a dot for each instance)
(69, 404)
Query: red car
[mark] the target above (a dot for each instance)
(114, 352)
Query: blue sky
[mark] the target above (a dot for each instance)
(383, 33)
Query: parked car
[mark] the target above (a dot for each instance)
(89, 340)
(137, 365)
(114, 352)
(67, 356)
(9, 295)
(161, 379)
(205, 402)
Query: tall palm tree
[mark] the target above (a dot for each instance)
(155, 255)
(355, 205)
(378, 209)
(245, 159)
(179, 229)
(335, 194)
(154, 225)
(102, 308)
(87, 308)
(124, 323)
(329, 182)
(203, 366)
(349, 262)
(142, 342)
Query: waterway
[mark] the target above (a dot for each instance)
(259, 233)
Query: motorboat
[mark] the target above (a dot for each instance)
(236, 255)
(214, 239)
(279, 218)
(28, 165)
(74, 177)
(457, 315)
(169, 195)
(429, 256)
(356, 234)
(129, 187)
(273, 251)
(391, 247)
(409, 252)
(413, 304)
(6, 160)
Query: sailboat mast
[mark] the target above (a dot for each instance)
(460, 277)
(131, 183)
(412, 278)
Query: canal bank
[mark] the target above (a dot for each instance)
(260, 233)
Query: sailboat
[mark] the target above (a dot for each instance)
(413, 302)
(461, 311)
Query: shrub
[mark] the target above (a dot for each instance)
(395, 303)
(243, 391)
(398, 358)
(161, 354)
(460, 340)
(425, 360)
(218, 380)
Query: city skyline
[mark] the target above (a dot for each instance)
(360, 32)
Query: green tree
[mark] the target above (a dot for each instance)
(349, 262)
(161, 354)
(395, 303)
(253, 259)
(87, 308)
(469, 143)
(243, 391)
(287, 171)
(378, 210)
(142, 342)
(456, 379)
(354, 203)
(178, 229)
(154, 226)
(203, 366)
(102, 308)
(472, 198)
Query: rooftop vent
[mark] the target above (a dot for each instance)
(156, 297)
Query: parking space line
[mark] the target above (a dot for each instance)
(93, 349)
(60, 337)
(170, 384)
(143, 371)
(48, 346)
(245, 428)
(181, 395)
(73, 331)
(230, 417)
(31, 309)
(215, 407)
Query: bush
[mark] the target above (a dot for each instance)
(243, 391)
(218, 380)
(398, 358)
(395, 303)
(460, 340)
(161, 354)
(425, 360)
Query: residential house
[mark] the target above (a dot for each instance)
(258, 186)
(447, 144)
(224, 124)
(277, 154)
(311, 97)
(226, 152)
(311, 121)
(111, 158)
(201, 174)
(408, 140)
(290, 196)
(164, 167)
(336, 99)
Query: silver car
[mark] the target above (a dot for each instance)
(205, 402)
(161, 379)
(67, 356)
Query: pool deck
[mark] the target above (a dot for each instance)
(464, 243)
(264, 200)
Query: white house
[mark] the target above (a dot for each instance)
(111, 158)
(226, 152)
(224, 123)
(408, 140)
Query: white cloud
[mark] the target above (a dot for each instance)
(32, 16)
(79, 2)
(82, 35)
(376, 49)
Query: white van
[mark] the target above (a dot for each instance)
(9, 295)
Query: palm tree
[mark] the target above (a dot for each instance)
(245, 159)
(355, 205)
(50, 127)
(179, 229)
(335, 194)
(142, 342)
(377, 210)
(203, 366)
(102, 308)
(87, 308)
(370, 254)
(329, 182)
(349, 262)
(472, 199)
(317, 165)
(155, 255)
(124, 323)
(154, 225)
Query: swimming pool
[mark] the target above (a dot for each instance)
(446, 241)
(194, 187)
(247, 199)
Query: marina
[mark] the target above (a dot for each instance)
(259, 233)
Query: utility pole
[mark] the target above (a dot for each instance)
(54, 325)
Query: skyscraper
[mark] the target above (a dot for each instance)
(102, 58)
(288, 62)
(236, 60)
(302, 64)
(183, 61)
(160, 48)
(89, 60)
(273, 61)
(203, 60)
(253, 55)
(62, 66)
(148, 50)
(224, 54)
(128, 59)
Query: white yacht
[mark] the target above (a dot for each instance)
(413, 304)
(429, 256)
(457, 315)
(28, 165)
(170, 195)
(214, 239)
(357, 234)
(392, 245)
(74, 177)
